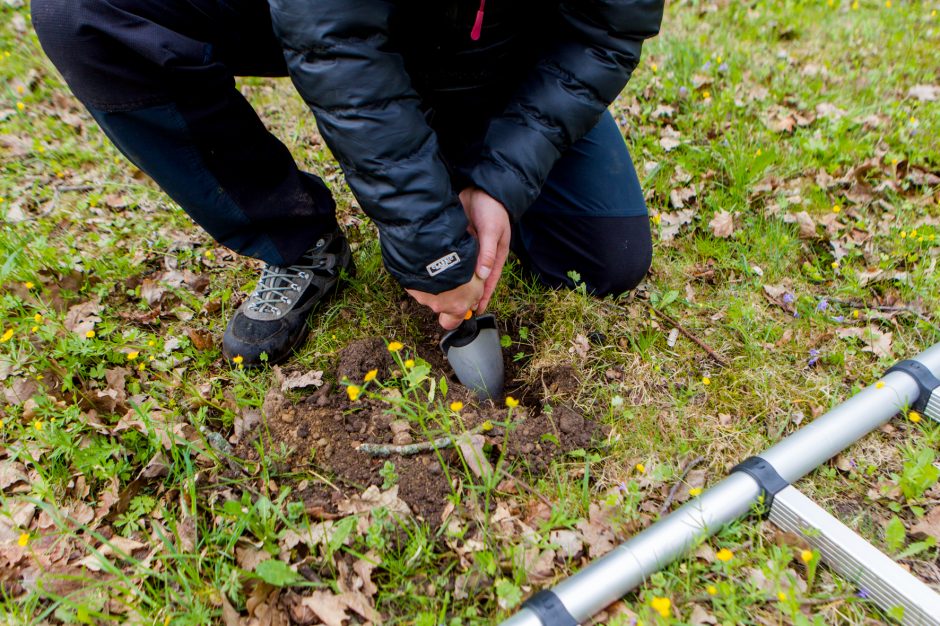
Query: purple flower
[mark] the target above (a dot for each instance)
(723, 68)
(823, 305)
(862, 594)
(683, 92)
(813, 357)
(839, 318)
(788, 298)
(707, 66)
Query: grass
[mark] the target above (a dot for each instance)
(730, 74)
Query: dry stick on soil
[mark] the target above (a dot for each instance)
(704, 346)
(675, 488)
(527, 487)
(411, 449)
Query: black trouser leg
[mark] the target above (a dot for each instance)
(590, 218)
(157, 75)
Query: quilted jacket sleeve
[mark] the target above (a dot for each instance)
(596, 48)
(368, 112)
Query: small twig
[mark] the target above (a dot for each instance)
(527, 487)
(675, 488)
(411, 449)
(887, 309)
(701, 344)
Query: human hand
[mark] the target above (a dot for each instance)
(452, 306)
(489, 223)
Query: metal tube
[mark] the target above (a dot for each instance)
(612, 576)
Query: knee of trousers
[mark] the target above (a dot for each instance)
(614, 274)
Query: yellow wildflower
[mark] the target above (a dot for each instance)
(695, 491)
(887, 4)
(486, 426)
(856, 314)
(759, 152)
(657, 218)
(835, 265)
(640, 468)
(141, 366)
(29, 284)
(511, 402)
(133, 354)
(724, 555)
(23, 540)
(409, 363)
(38, 318)
(654, 67)
(34, 329)
(353, 391)
(20, 106)
(456, 406)
(806, 556)
(914, 416)
(661, 605)
(395, 346)
(238, 359)
(151, 358)
(782, 596)
(903, 235)
(711, 589)
(37, 424)
(855, 5)
(370, 375)
(836, 208)
(7, 336)
(706, 381)
(706, 95)
(90, 334)
(208, 254)
(879, 385)
(151, 343)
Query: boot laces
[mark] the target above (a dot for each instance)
(280, 286)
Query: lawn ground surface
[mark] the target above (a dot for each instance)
(790, 159)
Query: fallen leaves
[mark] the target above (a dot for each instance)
(671, 223)
(875, 341)
(722, 225)
(81, 318)
(924, 93)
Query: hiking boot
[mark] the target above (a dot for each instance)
(273, 320)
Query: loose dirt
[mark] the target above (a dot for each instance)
(320, 433)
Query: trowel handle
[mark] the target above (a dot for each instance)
(463, 334)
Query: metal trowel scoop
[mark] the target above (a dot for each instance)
(474, 352)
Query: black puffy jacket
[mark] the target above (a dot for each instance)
(376, 72)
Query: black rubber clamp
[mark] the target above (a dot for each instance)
(549, 609)
(925, 379)
(771, 483)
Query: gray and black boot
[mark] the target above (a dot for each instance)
(273, 320)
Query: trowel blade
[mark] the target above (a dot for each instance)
(474, 352)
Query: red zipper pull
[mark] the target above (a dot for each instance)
(478, 23)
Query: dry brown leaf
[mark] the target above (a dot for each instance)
(929, 525)
(82, 317)
(804, 221)
(924, 93)
(701, 616)
(669, 139)
(471, 449)
(333, 609)
(248, 557)
(373, 498)
(599, 539)
(568, 542)
(681, 195)
(876, 341)
(297, 379)
(722, 225)
(672, 222)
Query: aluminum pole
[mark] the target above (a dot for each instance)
(615, 574)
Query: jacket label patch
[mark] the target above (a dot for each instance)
(444, 263)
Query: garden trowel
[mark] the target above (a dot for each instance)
(475, 354)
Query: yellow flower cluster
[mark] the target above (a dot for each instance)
(724, 555)
(661, 605)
